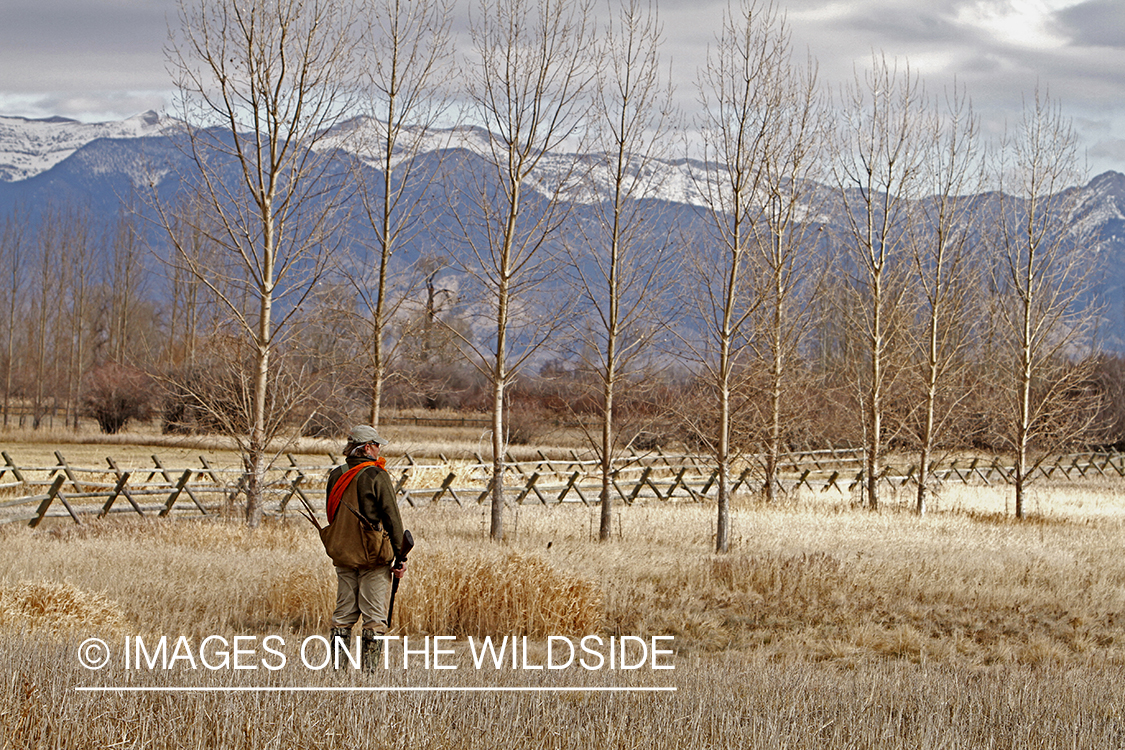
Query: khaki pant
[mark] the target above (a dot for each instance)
(362, 592)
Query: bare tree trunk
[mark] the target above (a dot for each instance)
(621, 268)
(722, 453)
(777, 370)
(943, 262)
(283, 71)
(499, 447)
(14, 228)
(1043, 271)
(48, 247)
(605, 526)
(1023, 424)
(410, 42)
(928, 428)
(80, 252)
(529, 86)
(873, 415)
(738, 89)
(880, 155)
(787, 239)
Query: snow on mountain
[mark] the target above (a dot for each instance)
(668, 180)
(1100, 212)
(31, 147)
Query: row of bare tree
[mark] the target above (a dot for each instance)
(73, 296)
(868, 240)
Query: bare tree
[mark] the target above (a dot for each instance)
(409, 44)
(789, 254)
(945, 272)
(622, 266)
(1042, 273)
(878, 172)
(741, 106)
(125, 275)
(46, 311)
(432, 366)
(78, 258)
(261, 85)
(12, 256)
(191, 306)
(527, 84)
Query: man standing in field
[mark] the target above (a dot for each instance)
(364, 537)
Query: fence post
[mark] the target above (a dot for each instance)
(1119, 466)
(569, 484)
(292, 490)
(175, 493)
(640, 483)
(656, 489)
(487, 491)
(185, 488)
(445, 486)
(530, 487)
(209, 470)
(121, 480)
(676, 482)
(741, 480)
(616, 486)
(124, 490)
(710, 481)
(41, 513)
(909, 475)
(15, 470)
(402, 480)
(69, 474)
(527, 488)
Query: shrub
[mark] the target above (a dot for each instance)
(113, 394)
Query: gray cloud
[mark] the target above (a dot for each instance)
(1096, 23)
(1110, 148)
(79, 46)
(895, 24)
(104, 58)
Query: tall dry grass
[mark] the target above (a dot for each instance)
(722, 701)
(827, 626)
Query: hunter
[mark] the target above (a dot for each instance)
(364, 538)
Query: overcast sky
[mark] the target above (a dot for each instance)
(96, 60)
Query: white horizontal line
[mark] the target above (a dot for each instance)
(237, 689)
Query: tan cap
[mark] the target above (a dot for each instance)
(366, 434)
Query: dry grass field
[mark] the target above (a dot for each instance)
(826, 626)
(88, 446)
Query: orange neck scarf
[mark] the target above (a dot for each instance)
(344, 482)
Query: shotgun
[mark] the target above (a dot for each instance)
(400, 560)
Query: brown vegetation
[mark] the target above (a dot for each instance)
(826, 626)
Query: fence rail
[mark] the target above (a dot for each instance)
(63, 490)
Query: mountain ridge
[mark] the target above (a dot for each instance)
(101, 165)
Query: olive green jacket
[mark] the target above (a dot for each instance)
(375, 497)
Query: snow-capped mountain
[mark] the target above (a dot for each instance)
(31, 147)
(658, 179)
(101, 165)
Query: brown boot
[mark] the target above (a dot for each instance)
(372, 651)
(341, 642)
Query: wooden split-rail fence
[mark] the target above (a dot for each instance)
(63, 490)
